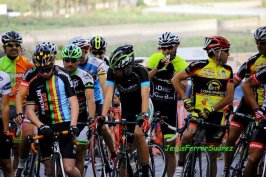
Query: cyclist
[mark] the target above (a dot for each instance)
(5, 141)
(28, 129)
(95, 67)
(213, 88)
(133, 84)
(83, 84)
(53, 93)
(257, 144)
(253, 65)
(98, 48)
(15, 65)
(163, 94)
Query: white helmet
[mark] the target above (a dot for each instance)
(168, 39)
(260, 34)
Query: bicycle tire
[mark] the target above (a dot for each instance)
(158, 160)
(57, 170)
(239, 157)
(32, 165)
(193, 166)
(97, 162)
(117, 165)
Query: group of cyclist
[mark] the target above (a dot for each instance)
(54, 98)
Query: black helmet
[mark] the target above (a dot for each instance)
(98, 43)
(43, 57)
(121, 57)
(11, 36)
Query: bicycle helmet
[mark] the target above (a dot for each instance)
(215, 43)
(260, 34)
(43, 57)
(121, 57)
(51, 46)
(11, 36)
(98, 43)
(80, 41)
(71, 51)
(168, 39)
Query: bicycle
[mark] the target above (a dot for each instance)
(158, 160)
(99, 154)
(56, 157)
(194, 159)
(241, 149)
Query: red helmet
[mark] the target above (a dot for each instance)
(216, 42)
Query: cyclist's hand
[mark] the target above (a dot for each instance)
(101, 119)
(160, 65)
(144, 122)
(91, 122)
(229, 108)
(74, 130)
(188, 105)
(260, 114)
(46, 130)
(205, 112)
(8, 138)
(19, 118)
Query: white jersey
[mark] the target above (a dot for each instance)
(5, 83)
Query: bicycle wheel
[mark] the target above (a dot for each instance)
(57, 166)
(158, 160)
(97, 161)
(197, 164)
(238, 160)
(120, 167)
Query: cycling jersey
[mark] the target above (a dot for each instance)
(5, 83)
(162, 88)
(253, 65)
(82, 81)
(51, 96)
(15, 69)
(209, 83)
(130, 91)
(95, 67)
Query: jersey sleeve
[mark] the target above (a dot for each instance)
(101, 69)
(31, 98)
(87, 81)
(110, 78)
(260, 76)
(6, 84)
(144, 77)
(179, 64)
(194, 66)
(241, 74)
(154, 60)
(231, 76)
(28, 76)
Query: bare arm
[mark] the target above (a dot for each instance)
(247, 88)
(227, 99)
(145, 91)
(30, 113)
(5, 112)
(108, 99)
(177, 82)
(22, 91)
(74, 106)
(91, 102)
(102, 79)
(152, 73)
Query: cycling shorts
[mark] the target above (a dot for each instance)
(258, 139)
(65, 142)
(169, 110)
(239, 121)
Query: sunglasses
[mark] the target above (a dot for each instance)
(12, 45)
(97, 52)
(45, 70)
(226, 50)
(70, 60)
(167, 48)
(261, 42)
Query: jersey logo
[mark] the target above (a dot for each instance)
(214, 85)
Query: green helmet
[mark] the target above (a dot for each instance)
(121, 57)
(71, 51)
